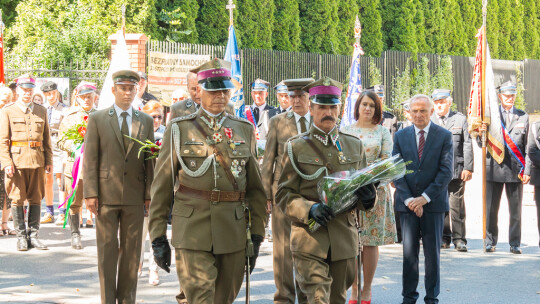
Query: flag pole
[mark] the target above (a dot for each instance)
(2, 75)
(124, 20)
(484, 135)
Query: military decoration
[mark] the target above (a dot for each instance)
(341, 157)
(229, 134)
(236, 168)
(217, 138)
(323, 139)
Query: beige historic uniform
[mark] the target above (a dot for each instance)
(121, 181)
(208, 227)
(73, 117)
(25, 144)
(188, 106)
(282, 128)
(55, 114)
(324, 259)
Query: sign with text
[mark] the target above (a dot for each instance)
(167, 72)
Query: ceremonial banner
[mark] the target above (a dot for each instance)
(232, 55)
(489, 109)
(353, 91)
(167, 72)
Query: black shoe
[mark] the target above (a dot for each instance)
(515, 250)
(461, 247)
(445, 245)
(490, 248)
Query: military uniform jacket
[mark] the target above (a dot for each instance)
(508, 170)
(74, 116)
(264, 121)
(187, 156)
(282, 127)
(533, 153)
(296, 195)
(18, 126)
(112, 175)
(188, 106)
(457, 124)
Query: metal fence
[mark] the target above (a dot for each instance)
(75, 71)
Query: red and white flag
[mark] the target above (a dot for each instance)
(485, 109)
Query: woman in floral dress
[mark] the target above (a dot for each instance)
(378, 226)
(5, 97)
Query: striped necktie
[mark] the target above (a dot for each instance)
(421, 143)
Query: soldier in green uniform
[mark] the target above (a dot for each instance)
(213, 156)
(26, 155)
(84, 105)
(324, 259)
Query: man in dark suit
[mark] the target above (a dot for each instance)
(506, 174)
(282, 94)
(533, 156)
(455, 122)
(259, 93)
(422, 196)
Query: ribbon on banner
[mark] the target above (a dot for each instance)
(75, 173)
(514, 150)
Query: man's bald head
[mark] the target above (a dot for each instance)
(192, 83)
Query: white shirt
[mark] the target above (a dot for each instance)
(505, 114)
(417, 132)
(261, 108)
(128, 118)
(297, 118)
(24, 107)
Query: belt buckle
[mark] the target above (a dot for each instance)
(218, 195)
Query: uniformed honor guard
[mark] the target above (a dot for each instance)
(191, 105)
(389, 120)
(282, 94)
(260, 109)
(25, 155)
(533, 154)
(55, 113)
(213, 156)
(507, 173)
(117, 187)
(455, 122)
(282, 127)
(324, 259)
(83, 107)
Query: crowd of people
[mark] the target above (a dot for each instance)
(222, 197)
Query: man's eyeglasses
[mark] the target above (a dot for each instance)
(157, 116)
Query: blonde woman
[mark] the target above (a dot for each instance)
(5, 98)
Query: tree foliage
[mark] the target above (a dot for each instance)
(374, 74)
(319, 26)
(398, 25)
(254, 28)
(176, 20)
(370, 18)
(212, 22)
(347, 12)
(286, 35)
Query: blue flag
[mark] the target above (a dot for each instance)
(232, 54)
(354, 89)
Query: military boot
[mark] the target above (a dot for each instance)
(20, 227)
(34, 213)
(75, 231)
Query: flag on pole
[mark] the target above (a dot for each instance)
(488, 109)
(232, 54)
(120, 61)
(355, 80)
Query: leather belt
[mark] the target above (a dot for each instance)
(213, 195)
(31, 144)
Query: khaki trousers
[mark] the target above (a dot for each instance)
(76, 206)
(322, 280)
(26, 184)
(120, 256)
(283, 261)
(208, 278)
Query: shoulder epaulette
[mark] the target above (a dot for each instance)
(239, 119)
(181, 118)
(9, 104)
(388, 115)
(521, 112)
(347, 135)
(459, 113)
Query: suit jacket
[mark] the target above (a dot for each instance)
(188, 106)
(431, 174)
(533, 153)
(463, 150)
(508, 170)
(295, 195)
(264, 121)
(17, 126)
(197, 223)
(282, 127)
(111, 174)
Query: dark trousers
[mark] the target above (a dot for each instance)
(429, 226)
(398, 223)
(537, 201)
(514, 194)
(454, 220)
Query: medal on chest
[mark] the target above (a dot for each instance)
(236, 167)
(215, 126)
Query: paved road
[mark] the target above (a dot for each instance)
(63, 275)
